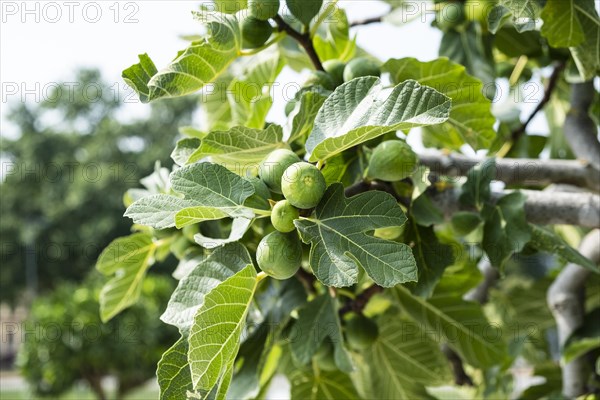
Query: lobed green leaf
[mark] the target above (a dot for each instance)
(363, 109)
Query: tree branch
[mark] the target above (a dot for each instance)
(481, 292)
(552, 81)
(580, 129)
(565, 298)
(307, 280)
(460, 375)
(367, 21)
(582, 209)
(527, 171)
(303, 39)
(359, 303)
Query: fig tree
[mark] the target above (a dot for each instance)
(392, 160)
(272, 167)
(255, 32)
(335, 68)
(263, 9)
(279, 254)
(361, 332)
(303, 185)
(283, 216)
(361, 66)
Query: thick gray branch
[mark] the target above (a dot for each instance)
(580, 129)
(523, 171)
(490, 277)
(541, 207)
(566, 299)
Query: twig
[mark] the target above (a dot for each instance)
(460, 375)
(303, 39)
(365, 186)
(566, 299)
(367, 21)
(359, 303)
(307, 280)
(552, 81)
(357, 188)
(519, 170)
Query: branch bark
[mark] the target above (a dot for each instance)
(359, 303)
(582, 209)
(481, 292)
(527, 171)
(303, 39)
(565, 298)
(580, 129)
(461, 377)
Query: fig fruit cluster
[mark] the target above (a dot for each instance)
(255, 26)
(302, 184)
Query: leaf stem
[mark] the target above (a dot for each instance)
(303, 39)
(263, 213)
(260, 276)
(552, 82)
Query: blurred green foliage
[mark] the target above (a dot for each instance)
(63, 177)
(65, 341)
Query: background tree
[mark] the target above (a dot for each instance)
(405, 272)
(70, 343)
(64, 176)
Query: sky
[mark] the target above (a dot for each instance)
(44, 42)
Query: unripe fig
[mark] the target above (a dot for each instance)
(272, 167)
(279, 254)
(260, 198)
(361, 332)
(303, 185)
(335, 68)
(283, 216)
(478, 10)
(392, 160)
(255, 32)
(450, 15)
(320, 78)
(361, 66)
(263, 9)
